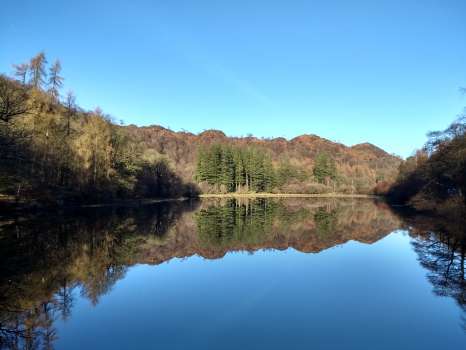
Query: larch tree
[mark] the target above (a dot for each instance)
(37, 70)
(55, 81)
(21, 72)
(93, 149)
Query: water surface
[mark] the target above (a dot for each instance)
(229, 274)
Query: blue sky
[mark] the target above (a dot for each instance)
(385, 72)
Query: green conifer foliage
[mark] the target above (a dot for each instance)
(324, 168)
(235, 168)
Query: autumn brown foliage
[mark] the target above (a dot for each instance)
(362, 168)
(435, 177)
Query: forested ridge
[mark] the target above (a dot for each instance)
(305, 164)
(52, 151)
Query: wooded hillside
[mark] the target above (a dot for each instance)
(362, 168)
(54, 151)
(435, 177)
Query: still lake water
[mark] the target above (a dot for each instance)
(228, 274)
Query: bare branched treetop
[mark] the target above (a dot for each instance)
(37, 68)
(55, 80)
(70, 101)
(21, 72)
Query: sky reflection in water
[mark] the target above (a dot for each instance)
(228, 274)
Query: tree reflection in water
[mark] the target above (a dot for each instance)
(47, 262)
(440, 245)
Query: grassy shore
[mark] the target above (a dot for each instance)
(284, 195)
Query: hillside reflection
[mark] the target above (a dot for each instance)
(47, 262)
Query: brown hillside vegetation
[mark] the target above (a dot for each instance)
(434, 178)
(362, 168)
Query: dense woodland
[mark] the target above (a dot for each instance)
(236, 169)
(435, 177)
(233, 169)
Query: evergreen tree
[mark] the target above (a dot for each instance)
(215, 168)
(235, 168)
(324, 168)
(239, 168)
(227, 175)
(269, 174)
(257, 171)
(201, 165)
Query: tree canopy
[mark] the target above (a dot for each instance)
(437, 173)
(238, 169)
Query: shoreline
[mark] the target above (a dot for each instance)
(286, 195)
(134, 202)
(34, 205)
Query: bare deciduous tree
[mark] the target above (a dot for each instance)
(70, 105)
